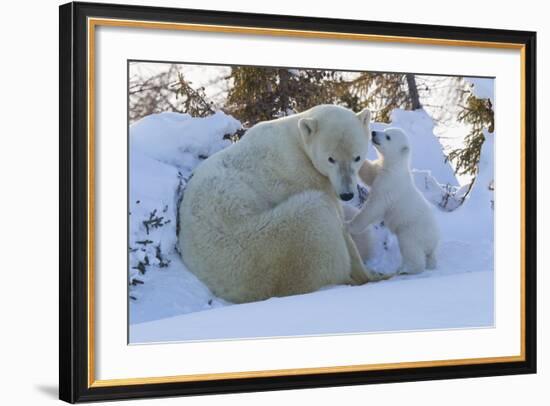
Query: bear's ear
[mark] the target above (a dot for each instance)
(405, 149)
(364, 117)
(308, 127)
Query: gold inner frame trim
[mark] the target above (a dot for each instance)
(94, 22)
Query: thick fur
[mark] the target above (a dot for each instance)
(395, 199)
(364, 241)
(263, 218)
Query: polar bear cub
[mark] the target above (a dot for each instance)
(395, 199)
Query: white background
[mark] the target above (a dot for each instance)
(28, 203)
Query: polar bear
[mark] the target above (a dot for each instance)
(395, 199)
(262, 218)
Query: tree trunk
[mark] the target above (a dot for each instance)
(413, 91)
(284, 91)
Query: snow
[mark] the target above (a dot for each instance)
(380, 308)
(447, 197)
(427, 152)
(432, 173)
(182, 141)
(474, 219)
(161, 181)
(173, 305)
(164, 149)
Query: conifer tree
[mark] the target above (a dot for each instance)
(260, 94)
(479, 114)
(381, 92)
(166, 91)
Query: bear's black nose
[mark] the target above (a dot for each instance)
(346, 196)
(374, 133)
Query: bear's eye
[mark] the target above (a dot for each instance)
(388, 137)
(331, 159)
(357, 158)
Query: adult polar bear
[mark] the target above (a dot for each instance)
(263, 217)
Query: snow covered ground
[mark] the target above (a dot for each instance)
(168, 303)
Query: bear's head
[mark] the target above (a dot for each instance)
(336, 141)
(393, 145)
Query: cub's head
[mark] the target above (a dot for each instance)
(336, 141)
(392, 144)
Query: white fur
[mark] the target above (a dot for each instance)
(365, 241)
(395, 199)
(263, 218)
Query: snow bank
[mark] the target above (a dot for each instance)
(426, 150)
(180, 140)
(444, 196)
(160, 286)
(432, 173)
(482, 195)
(153, 187)
(168, 303)
(164, 149)
(474, 220)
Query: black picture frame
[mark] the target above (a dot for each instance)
(74, 199)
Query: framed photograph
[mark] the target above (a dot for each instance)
(257, 202)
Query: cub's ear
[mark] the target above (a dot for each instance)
(308, 127)
(364, 117)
